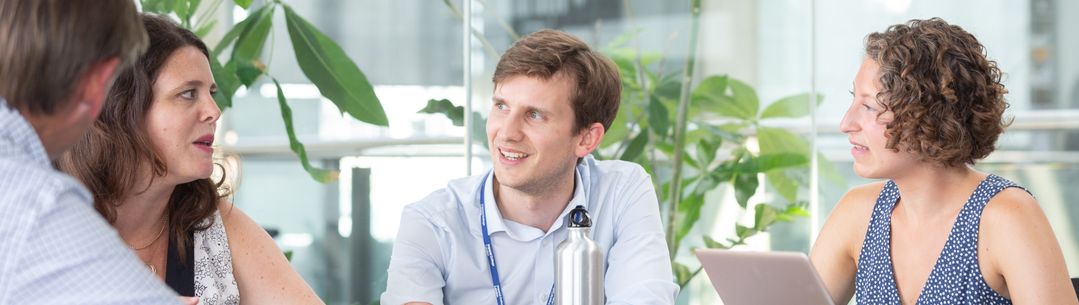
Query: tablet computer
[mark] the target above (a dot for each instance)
(763, 278)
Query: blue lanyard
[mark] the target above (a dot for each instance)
(499, 296)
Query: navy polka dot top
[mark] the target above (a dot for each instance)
(955, 279)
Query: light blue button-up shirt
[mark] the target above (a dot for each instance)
(54, 248)
(439, 258)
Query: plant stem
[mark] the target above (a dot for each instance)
(675, 193)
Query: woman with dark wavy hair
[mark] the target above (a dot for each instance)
(927, 104)
(148, 161)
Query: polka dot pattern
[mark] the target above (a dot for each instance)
(956, 277)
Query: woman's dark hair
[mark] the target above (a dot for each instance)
(946, 95)
(111, 157)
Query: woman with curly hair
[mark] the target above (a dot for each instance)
(927, 104)
(148, 160)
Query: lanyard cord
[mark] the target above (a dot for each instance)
(490, 250)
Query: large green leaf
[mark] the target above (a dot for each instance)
(242, 3)
(744, 232)
(771, 161)
(157, 6)
(786, 186)
(706, 151)
(636, 147)
(764, 216)
(232, 34)
(745, 184)
(456, 114)
(744, 104)
(249, 44)
(333, 72)
(320, 175)
(227, 83)
(658, 117)
(618, 131)
(205, 29)
(682, 274)
(790, 107)
(709, 94)
(711, 243)
(777, 140)
(689, 211)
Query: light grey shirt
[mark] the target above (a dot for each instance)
(54, 248)
(439, 257)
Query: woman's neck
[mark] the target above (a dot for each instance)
(142, 211)
(928, 190)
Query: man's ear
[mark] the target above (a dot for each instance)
(589, 139)
(95, 83)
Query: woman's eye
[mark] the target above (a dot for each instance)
(188, 94)
(867, 108)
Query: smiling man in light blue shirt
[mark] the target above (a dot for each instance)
(553, 101)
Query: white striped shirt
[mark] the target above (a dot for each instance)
(54, 248)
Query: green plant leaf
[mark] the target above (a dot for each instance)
(744, 104)
(658, 117)
(790, 107)
(771, 161)
(157, 6)
(253, 38)
(713, 244)
(330, 69)
(288, 255)
(764, 216)
(709, 94)
(320, 175)
(635, 147)
(618, 131)
(777, 140)
(227, 83)
(242, 3)
(793, 210)
(785, 186)
(706, 151)
(479, 129)
(689, 211)
(233, 33)
(744, 232)
(445, 107)
(205, 29)
(745, 184)
(706, 184)
(249, 72)
(682, 273)
(829, 171)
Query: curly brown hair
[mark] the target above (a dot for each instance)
(946, 96)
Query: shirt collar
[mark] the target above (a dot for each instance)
(521, 232)
(18, 139)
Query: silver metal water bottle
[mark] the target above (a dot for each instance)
(578, 264)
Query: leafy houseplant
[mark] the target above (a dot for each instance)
(320, 58)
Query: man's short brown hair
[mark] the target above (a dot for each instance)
(547, 53)
(46, 46)
(947, 97)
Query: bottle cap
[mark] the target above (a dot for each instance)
(578, 218)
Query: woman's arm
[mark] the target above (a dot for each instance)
(263, 274)
(1018, 241)
(835, 253)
